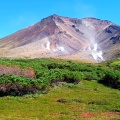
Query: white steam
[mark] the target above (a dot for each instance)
(59, 48)
(95, 47)
(97, 55)
(48, 45)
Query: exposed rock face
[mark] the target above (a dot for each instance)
(69, 38)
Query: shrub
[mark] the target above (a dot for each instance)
(111, 79)
(18, 85)
(91, 76)
(16, 89)
(58, 75)
(73, 77)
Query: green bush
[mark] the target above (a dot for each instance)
(18, 85)
(111, 78)
(52, 71)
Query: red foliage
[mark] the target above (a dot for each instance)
(15, 70)
(87, 114)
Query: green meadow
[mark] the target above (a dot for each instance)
(61, 90)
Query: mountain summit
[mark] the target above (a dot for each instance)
(62, 37)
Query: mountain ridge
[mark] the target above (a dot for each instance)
(63, 37)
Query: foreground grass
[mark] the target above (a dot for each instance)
(88, 100)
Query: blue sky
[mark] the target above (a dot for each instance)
(18, 14)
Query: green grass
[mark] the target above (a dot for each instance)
(87, 99)
(114, 64)
(65, 102)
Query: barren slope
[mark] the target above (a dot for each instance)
(69, 38)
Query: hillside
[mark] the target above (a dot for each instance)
(88, 39)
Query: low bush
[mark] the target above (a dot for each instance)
(17, 89)
(18, 85)
(43, 73)
(111, 79)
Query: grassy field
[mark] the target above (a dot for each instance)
(87, 100)
(62, 98)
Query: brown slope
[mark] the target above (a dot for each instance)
(57, 36)
(32, 33)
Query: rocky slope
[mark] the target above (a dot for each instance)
(69, 38)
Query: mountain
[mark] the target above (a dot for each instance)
(67, 38)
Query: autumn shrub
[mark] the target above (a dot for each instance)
(16, 70)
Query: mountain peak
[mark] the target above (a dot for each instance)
(52, 18)
(70, 38)
(55, 15)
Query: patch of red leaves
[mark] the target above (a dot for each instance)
(15, 70)
(110, 114)
(87, 114)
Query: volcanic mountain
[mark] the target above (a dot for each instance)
(67, 38)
